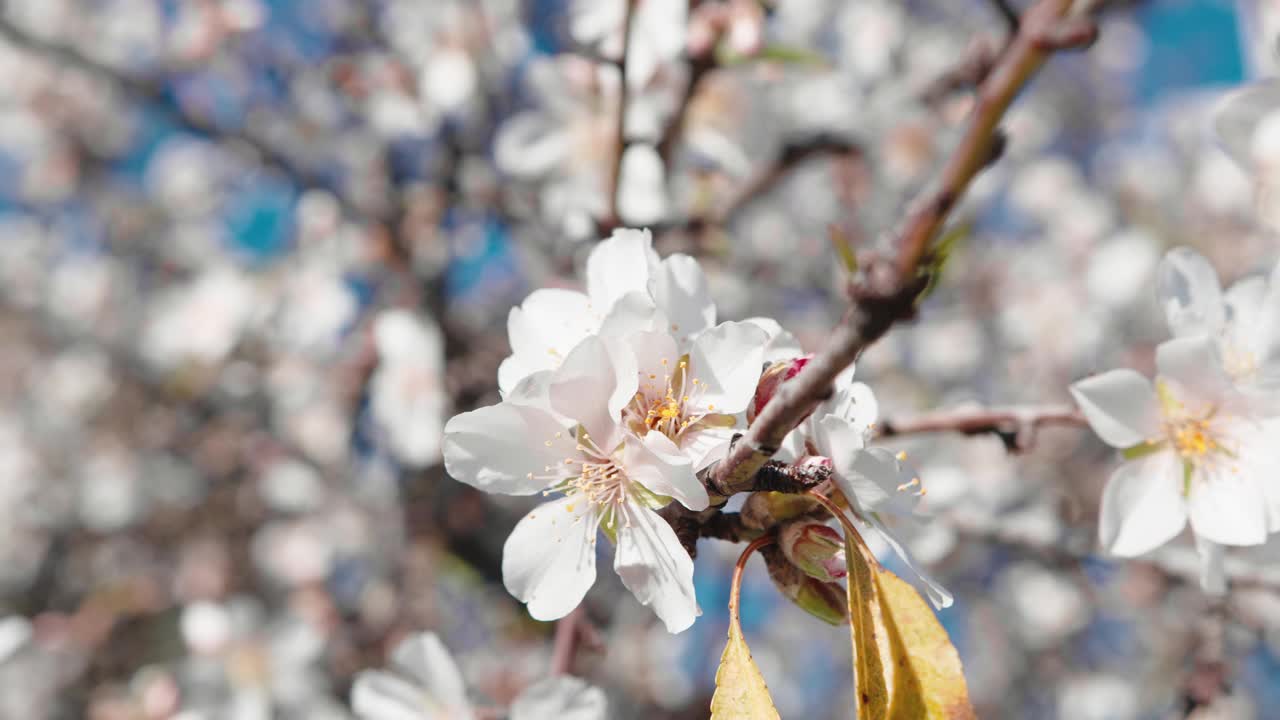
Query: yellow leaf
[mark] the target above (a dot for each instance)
(928, 682)
(740, 690)
(741, 693)
(905, 667)
(868, 634)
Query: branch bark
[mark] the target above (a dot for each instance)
(887, 294)
(1015, 426)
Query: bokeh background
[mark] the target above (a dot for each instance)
(220, 498)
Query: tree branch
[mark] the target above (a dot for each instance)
(1015, 426)
(887, 295)
(620, 129)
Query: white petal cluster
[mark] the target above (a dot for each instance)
(1202, 442)
(424, 683)
(874, 480)
(613, 399)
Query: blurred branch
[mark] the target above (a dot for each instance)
(700, 66)
(155, 93)
(1015, 426)
(1207, 680)
(792, 155)
(620, 131)
(1007, 13)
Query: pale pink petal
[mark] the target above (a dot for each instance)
(1120, 406)
(655, 567)
(1188, 289)
(680, 289)
(379, 695)
(549, 561)
(1227, 506)
(581, 389)
(507, 448)
(870, 479)
(727, 359)
(1194, 367)
(619, 265)
(562, 697)
(782, 345)
(656, 463)
(424, 658)
(1142, 505)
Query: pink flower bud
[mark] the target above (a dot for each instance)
(824, 600)
(771, 379)
(815, 548)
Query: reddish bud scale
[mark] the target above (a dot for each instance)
(771, 379)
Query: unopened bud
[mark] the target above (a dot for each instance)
(771, 379)
(767, 510)
(823, 600)
(815, 548)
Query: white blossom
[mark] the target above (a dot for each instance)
(407, 393)
(873, 480)
(424, 683)
(691, 397)
(561, 432)
(1244, 320)
(1196, 451)
(628, 289)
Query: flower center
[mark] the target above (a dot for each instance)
(664, 403)
(1193, 439)
(1239, 363)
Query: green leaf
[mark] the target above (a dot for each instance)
(939, 255)
(784, 54)
(741, 693)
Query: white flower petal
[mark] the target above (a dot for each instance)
(680, 288)
(1266, 332)
(620, 265)
(727, 359)
(581, 390)
(531, 144)
(631, 313)
(401, 335)
(549, 561)
(655, 567)
(1142, 505)
(562, 697)
(856, 403)
(1120, 406)
(1213, 577)
(496, 448)
(655, 462)
(1194, 364)
(543, 330)
(869, 479)
(1190, 293)
(782, 345)
(1227, 507)
(1237, 116)
(379, 695)
(424, 658)
(706, 443)
(937, 594)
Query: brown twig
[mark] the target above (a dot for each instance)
(568, 637)
(1015, 426)
(888, 294)
(1041, 31)
(620, 129)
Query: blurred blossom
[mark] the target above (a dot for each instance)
(200, 321)
(407, 390)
